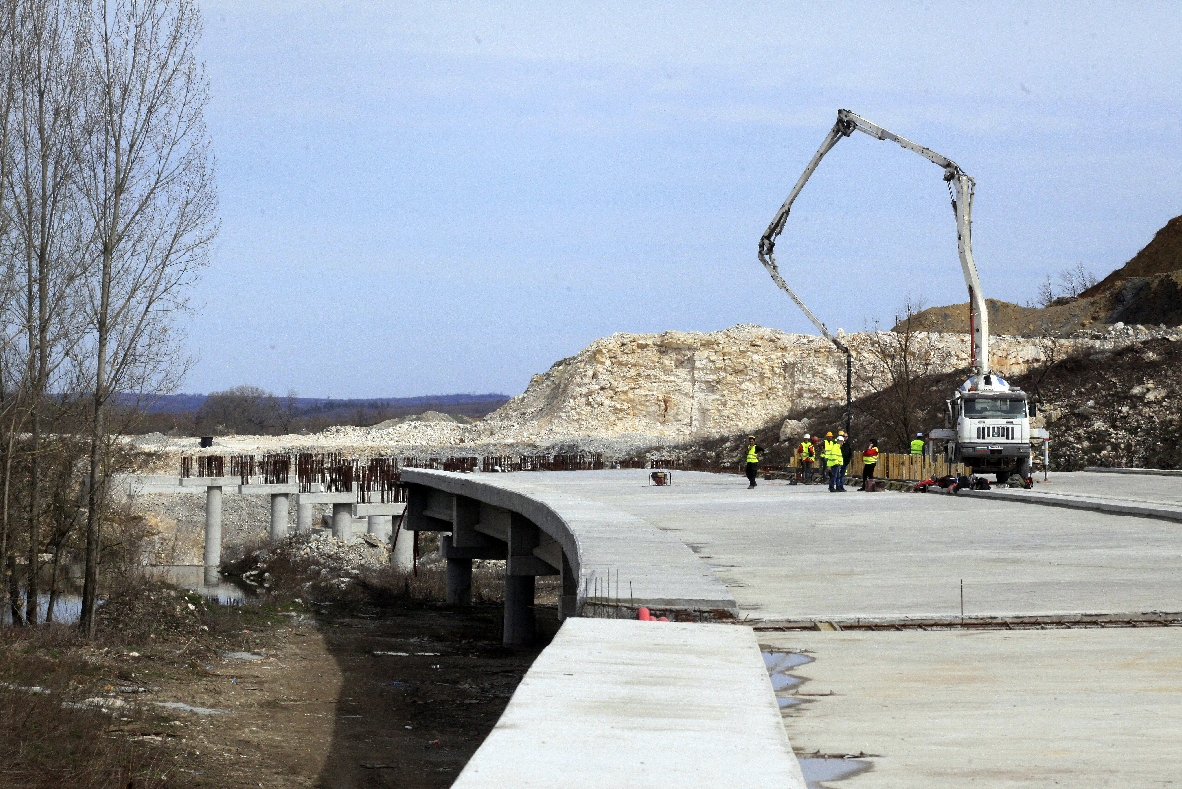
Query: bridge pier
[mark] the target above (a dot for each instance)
(459, 581)
(520, 624)
(212, 555)
(342, 521)
(213, 535)
(280, 494)
(303, 515)
(279, 513)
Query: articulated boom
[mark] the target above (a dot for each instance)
(961, 185)
(991, 421)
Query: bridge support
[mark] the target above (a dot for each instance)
(378, 526)
(342, 521)
(279, 514)
(520, 625)
(213, 535)
(303, 516)
(459, 581)
(403, 555)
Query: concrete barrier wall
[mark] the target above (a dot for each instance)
(618, 562)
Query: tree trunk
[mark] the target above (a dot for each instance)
(5, 597)
(96, 483)
(57, 560)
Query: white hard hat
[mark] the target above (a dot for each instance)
(806, 435)
(919, 435)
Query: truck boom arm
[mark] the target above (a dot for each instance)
(960, 184)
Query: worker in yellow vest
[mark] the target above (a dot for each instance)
(807, 457)
(869, 464)
(751, 458)
(834, 463)
(917, 444)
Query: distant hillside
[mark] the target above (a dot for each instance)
(1146, 290)
(183, 413)
(461, 404)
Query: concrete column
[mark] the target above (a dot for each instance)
(520, 627)
(379, 526)
(213, 535)
(459, 582)
(342, 521)
(403, 555)
(279, 510)
(303, 516)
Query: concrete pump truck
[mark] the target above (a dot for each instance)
(987, 420)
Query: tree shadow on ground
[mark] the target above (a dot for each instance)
(422, 686)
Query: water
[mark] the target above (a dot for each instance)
(826, 768)
(192, 577)
(67, 609)
(778, 665)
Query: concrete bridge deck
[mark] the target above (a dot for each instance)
(1032, 707)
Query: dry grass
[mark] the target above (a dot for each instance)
(49, 736)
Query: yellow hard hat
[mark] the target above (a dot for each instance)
(829, 434)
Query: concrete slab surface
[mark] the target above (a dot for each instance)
(620, 703)
(1154, 488)
(1022, 708)
(1109, 506)
(1151, 471)
(802, 553)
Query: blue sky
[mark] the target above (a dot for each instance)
(446, 197)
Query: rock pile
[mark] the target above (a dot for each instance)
(629, 392)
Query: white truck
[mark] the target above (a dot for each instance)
(988, 421)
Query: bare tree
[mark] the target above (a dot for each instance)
(1072, 284)
(48, 89)
(1076, 280)
(895, 364)
(147, 177)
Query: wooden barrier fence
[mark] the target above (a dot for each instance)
(911, 468)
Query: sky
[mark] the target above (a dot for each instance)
(449, 197)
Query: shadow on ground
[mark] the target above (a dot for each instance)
(421, 687)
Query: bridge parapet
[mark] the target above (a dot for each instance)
(611, 562)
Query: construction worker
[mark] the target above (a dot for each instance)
(751, 458)
(833, 464)
(869, 463)
(917, 444)
(847, 452)
(806, 454)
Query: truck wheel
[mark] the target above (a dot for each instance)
(1002, 477)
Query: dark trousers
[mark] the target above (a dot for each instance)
(868, 474)
(806, 472)
(752, 470)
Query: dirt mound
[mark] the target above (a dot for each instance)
(1016, 320)
(1147, 290)
(1162, 255)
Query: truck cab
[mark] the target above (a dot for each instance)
(992, 426)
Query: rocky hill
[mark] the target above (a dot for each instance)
(631, 392)
(680, 386)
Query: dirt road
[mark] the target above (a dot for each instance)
(398, 697)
